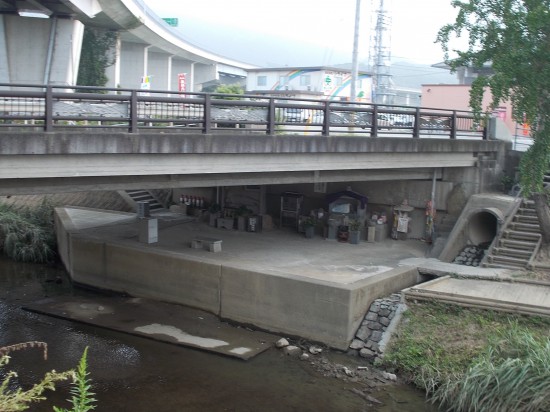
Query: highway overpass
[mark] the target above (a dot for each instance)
(47, 50)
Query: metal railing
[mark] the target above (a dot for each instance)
(54, 108)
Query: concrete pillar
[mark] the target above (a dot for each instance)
(4, 68)
(146, 60)
(191, 80)
(40, 50)
(169, 73)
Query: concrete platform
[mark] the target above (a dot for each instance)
(275, 280)
(164, 322)
(529, 298)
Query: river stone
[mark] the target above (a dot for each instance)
(384, 321)
(292, 350)
(384, 312)
(375, 307)
(371, 316)
(366, 353)
(357, 344)
(376, 336)
(363, 333)
(374, 326)
(389, 376)
(314, 350)
(281, 343)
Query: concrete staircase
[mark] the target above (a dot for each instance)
(135, 196)
(518, 241)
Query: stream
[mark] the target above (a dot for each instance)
(131, 373)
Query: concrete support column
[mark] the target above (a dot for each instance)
(191, 81)
(146, 60)
(4, 68)
(38, 51)
(116, 66)
(169, 73)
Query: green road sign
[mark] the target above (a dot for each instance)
(172, 21)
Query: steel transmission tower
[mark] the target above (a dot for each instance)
(380, 54)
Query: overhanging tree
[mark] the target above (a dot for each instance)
(513, 36)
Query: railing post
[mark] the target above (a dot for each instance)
(48, 108)
(416, 127)
(133, 125)
(374, 126)
(453, 125)
(271, 117)
(326, 119)
(207, 121)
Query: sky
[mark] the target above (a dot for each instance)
(307, 32)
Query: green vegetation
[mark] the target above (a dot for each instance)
(12, 400)
(512, 37)
(508, 42)
(468, 359)
(229, 89)
(82, 399)
(96, 55)
(27, 234)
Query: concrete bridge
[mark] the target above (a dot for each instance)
(64, 162)
(52, 141)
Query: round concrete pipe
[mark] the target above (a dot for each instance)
(482, 227)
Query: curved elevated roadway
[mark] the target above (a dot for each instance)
(148, 46)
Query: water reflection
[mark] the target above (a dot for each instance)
(135, 374)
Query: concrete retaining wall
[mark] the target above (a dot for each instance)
(298, 306)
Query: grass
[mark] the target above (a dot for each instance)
(27, 234)
(468, 359)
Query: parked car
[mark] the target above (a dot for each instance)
(293, 115)
(403, 120)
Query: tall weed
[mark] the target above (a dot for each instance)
(513, 374)
(27, 234)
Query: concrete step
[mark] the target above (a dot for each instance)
(520, 235)
(500, 266)
(526, 211)
(525, 227)
(145, 196)
(511, 261)
(516, 253)
(516, 244)
(532, 219)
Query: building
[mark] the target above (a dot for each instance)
(457, 97)
(309, 82)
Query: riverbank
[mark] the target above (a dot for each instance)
(453, 353)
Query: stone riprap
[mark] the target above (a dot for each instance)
(367, 341)
(471, 255)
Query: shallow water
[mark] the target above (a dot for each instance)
(135, 374)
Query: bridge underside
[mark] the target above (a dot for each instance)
(10, 187)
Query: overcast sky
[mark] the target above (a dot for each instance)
(306, 32)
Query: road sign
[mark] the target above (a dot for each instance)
(172, 21)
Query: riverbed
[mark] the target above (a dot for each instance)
(131, 373)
